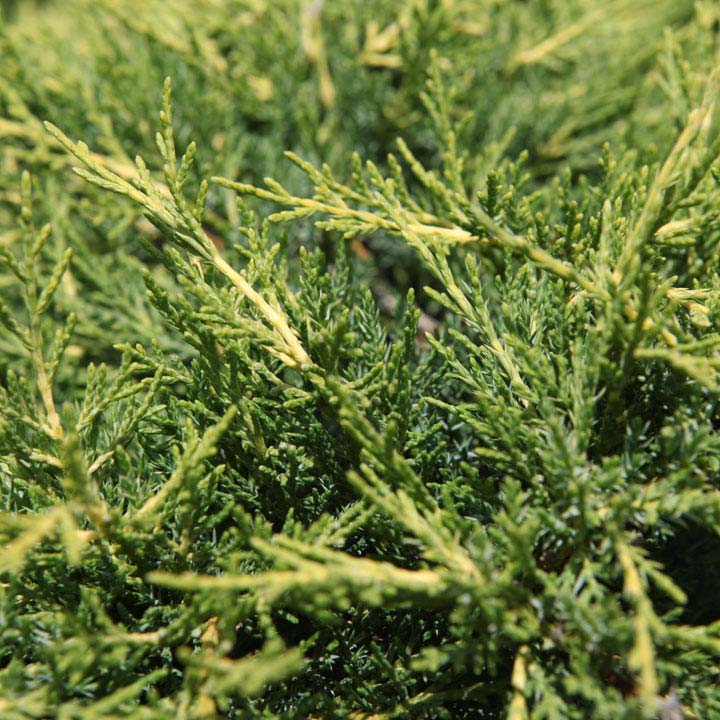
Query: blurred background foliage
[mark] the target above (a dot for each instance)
(324, 79)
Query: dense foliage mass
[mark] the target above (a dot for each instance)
(424, 427)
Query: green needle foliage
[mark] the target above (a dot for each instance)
(420, 428)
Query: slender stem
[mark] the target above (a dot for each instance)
(54, 426)
(275, 317)
(43, 384)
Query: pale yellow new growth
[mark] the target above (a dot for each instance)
(641, 233)
(540, 52)
(295, 354)
(155, 201)
(14, 553)
(313, 43)
(358, 572)
(518, 709)
(378, 43)
(642, 656)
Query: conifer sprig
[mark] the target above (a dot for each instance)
(392, 209)
(184, 224)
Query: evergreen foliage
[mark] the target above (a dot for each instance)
(375, 428)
